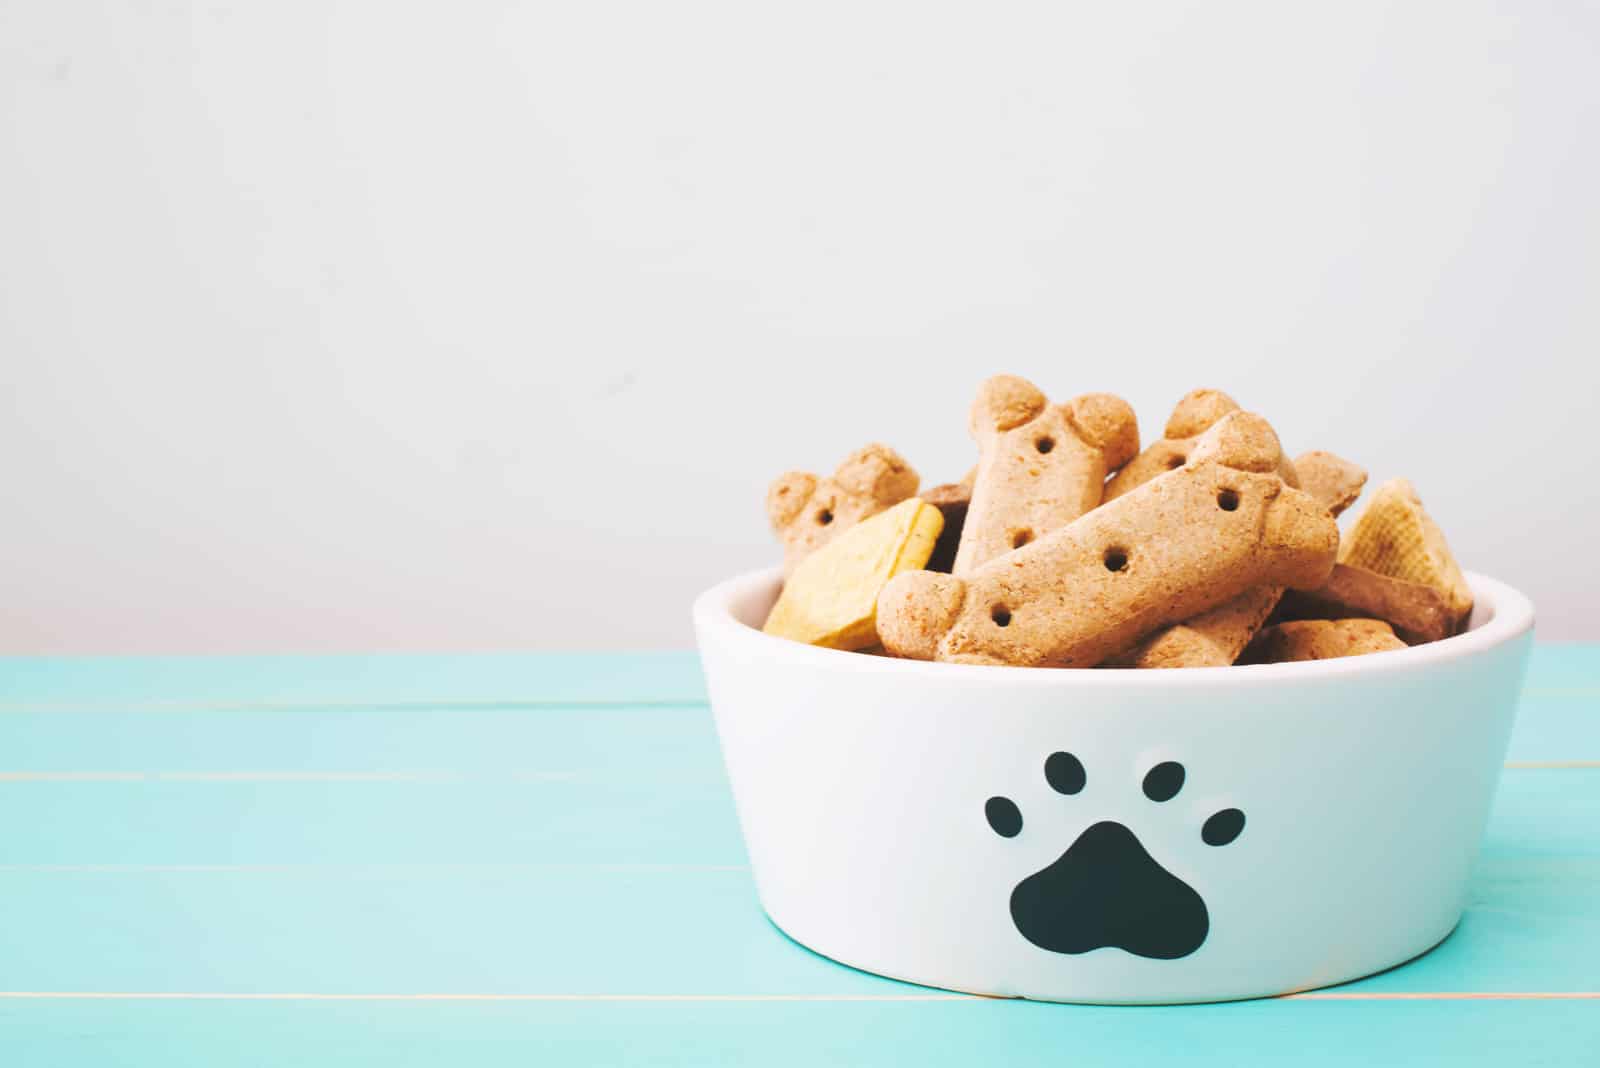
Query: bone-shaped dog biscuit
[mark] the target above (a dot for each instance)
(1041, 465)
(1214, 638)
(1321, 639)
(807, 512)
(1175, 547)
(1333, 480)
(1217, 637)
(1195, 413)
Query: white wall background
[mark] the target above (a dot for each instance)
(347, 325)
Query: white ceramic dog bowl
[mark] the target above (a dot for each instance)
(881, 800)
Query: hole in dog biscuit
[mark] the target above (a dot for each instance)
(1116, 559)
(824, 517)
(1001, 615)
(1228, 500)
(1021, 538)
(1044, 444)
(1175, 462)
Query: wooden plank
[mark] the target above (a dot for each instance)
(634, 895)
(186, 1034)
(515, 679)
(372, 681)
(1565, 669)
(512, 825)
(1552, 729)
(664, 742)
(634, 742)
(376, 821)
(619, 743)
(568, 821)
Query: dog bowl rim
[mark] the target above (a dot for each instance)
(1509, 612)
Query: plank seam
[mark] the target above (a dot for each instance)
(497, 704)
(460, 777)
(136, 995)
(18, 707)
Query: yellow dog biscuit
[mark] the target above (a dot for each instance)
(1216, 638)
(1394, 536)
(831, 598)
(1321, 639)
(1175, 547)
(807, 512)
(1041, 465)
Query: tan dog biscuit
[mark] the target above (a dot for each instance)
(1177, 546)
(1417, 613)
(952, 500)
(1217, 637)
(1334, 481)
(1321, 639)
(1198, 411)
(1041, 465)
(1214, 638)
(831, 598)
(1394, 536)
(807, 512)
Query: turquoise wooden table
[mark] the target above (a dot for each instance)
(523, 859)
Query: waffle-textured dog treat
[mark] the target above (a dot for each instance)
(1417, 613)
(952, 499)
(831, 598)
(1217, 637)
(1320, 639)
(1040, 465)
(1394, 536)
(1198, 411)
(1175, 547)
(807, 512)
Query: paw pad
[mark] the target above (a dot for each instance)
(1106, 890)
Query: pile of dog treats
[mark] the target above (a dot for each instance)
(1068, 546)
